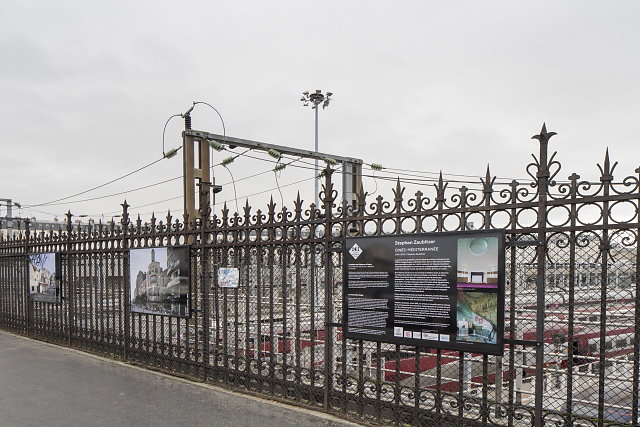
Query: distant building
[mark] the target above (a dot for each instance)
(173, 274)
(587, 268)
(18, 226)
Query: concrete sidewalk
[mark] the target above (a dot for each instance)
(42, 384)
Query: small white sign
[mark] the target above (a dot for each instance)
(355, 251)
(444, 337)
(430, 336)
(417, 335)
(397, 331)
(228, 277)
(407, 334)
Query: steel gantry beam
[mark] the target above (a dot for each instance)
(351, 166)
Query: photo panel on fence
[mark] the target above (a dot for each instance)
(45, 277)
(160, 281)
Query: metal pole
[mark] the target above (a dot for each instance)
(188, 172)
(316, 98)
(317, 184)
(9, 218)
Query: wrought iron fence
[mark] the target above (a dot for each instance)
(572, 307)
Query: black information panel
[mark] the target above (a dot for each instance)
(434, 290)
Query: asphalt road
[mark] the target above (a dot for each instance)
(41, 384)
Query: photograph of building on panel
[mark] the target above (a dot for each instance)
(159, 281)
(478, 263)
(44, 283)
(477, 289)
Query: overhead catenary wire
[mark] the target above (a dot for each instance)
(264, 191)
(411, 173)
(44, 212)
(223, 184)
(415, 179)
(234, 187)
(267, 190)
(407, 176)
(271, 189)
(52, 202)
(411, 180)
(376, 166)
(247, 195)
(236, 198)
(130, 190)
(395, 178)
(118, 193)
(408, 172)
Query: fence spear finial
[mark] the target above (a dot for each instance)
(544, 136)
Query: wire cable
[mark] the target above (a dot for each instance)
(270, 189)
(44, 212)
(180, 196)
(119, 193)
(54, 202)
(276, 171)
(247, 195)
(234, 187)
(123, 192)
(224, 129)
(226, 183)
(410, 171)
(375, 181)
(165, 129)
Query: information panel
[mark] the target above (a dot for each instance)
(434, 290)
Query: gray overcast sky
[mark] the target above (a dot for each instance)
(86, 87)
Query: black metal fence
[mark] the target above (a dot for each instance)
(572, 308)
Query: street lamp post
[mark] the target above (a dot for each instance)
(316, 98)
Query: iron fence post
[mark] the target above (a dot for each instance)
(125, 271)
(205, 211)
(29, 302)
(605, 246)
(70, 297)
(543, 183)
(328, 287)
(635, 388)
